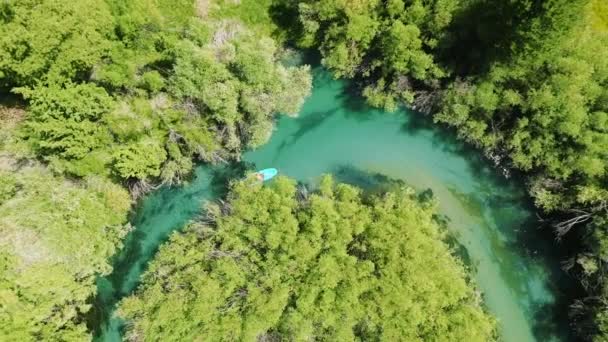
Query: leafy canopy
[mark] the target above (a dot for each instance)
(51, 40)
(56, 238)
(387, 44)
(137, 90)
(546, 108)
(333, 266)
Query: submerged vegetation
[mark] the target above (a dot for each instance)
(279, 263)
(104, 96)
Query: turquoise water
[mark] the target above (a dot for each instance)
(489, 217)
(157, 216)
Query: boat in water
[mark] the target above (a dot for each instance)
(266, 174)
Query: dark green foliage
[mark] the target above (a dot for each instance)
(75, 101)
(388, 44)
(63, 125)
(545, 109)
(140, 160)
(330, 267)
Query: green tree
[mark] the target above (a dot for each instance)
(51, 40)
(57, 237)
(387, 45)
(140, 160)
(63, 126)
(543, 110)
(332, 266)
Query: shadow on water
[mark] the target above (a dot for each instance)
(349, 97)
(305, 125)
(356, 106)
(376, 183)
(536, 242)
(536, 245)
(442, 137)
(372, 183)
(497, 202)
(142, 243)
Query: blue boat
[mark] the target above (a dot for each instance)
(267, 174)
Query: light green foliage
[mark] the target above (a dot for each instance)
(55, 238)
(152, 81)
(10, 142)
(51, 40)
(157, 75)
(255, 14)
(8, 186)
(234, 78)
(146, 30)
(332, 267)
(599, 15)
(387, 44)
(139, 160)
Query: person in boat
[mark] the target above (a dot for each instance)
(266, 174)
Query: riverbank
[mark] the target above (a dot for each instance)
(512, 261)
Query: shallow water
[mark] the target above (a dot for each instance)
(156, 217)
(489, 217)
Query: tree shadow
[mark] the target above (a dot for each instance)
(441, 137)
(537, 244)
(11, 100)
(285, 15)
(372, 183)
(356, 106)
(504, 204)
(484, 33)
(305, 125)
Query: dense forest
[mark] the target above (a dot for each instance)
(103, 101)
(279, 263)
(101, 94)
(525, 81)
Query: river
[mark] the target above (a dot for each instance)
(490, 218)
